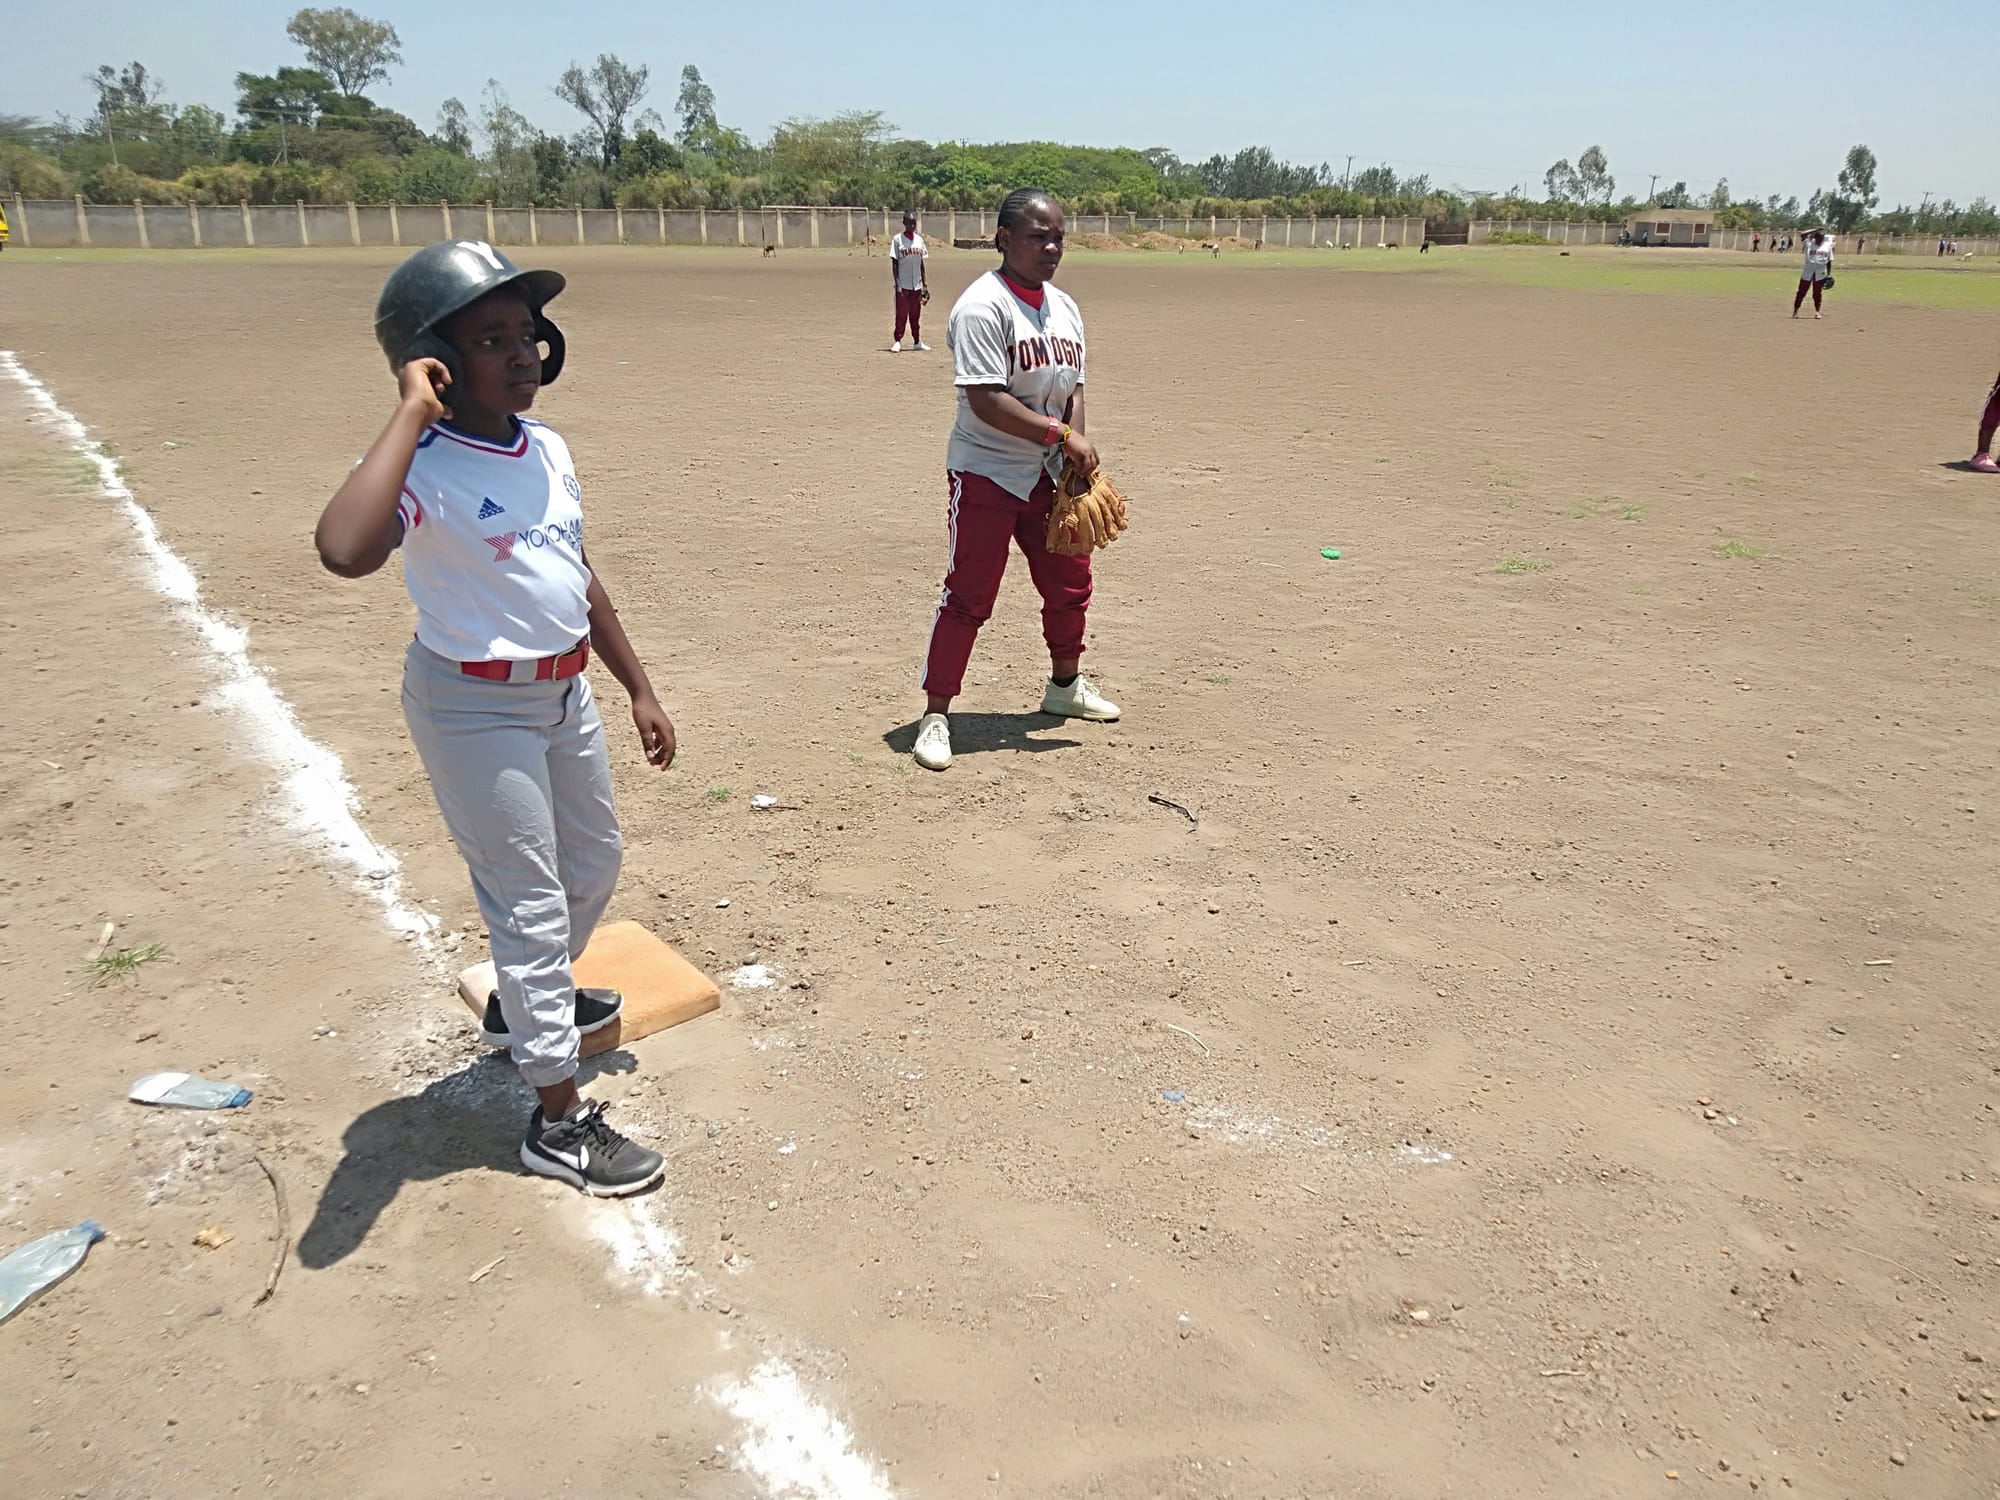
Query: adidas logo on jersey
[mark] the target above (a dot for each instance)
(488, 510)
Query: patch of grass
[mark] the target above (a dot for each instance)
(1644, 591)
(1521, 565)
(1583, 510)
(1632, 513)
(123, 963)
(718, 794)
(1517, 237)
(1505, 476)
(1216, 679)
(1746, 481)
(1735, 547)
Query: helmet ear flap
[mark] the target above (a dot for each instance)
(552, 362)
(430, 346)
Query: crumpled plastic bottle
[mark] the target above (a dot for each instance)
(40, 1264)
(188, 1091)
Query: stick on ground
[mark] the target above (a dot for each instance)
(284, 1233)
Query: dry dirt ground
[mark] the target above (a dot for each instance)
(1560, 1062)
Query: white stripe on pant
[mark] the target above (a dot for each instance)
(523, 779)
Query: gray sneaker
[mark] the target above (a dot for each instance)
(583, 1151)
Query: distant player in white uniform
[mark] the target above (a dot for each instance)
(1817, 273)
(487, 512)
(909, 260)
(1017, 351)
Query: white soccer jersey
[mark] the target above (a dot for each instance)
(909, 252)
(493, 545)
(1819, 261)
(1036, 353)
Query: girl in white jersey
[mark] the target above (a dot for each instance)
(1817, 273)
(1017, 351)
(487, 511)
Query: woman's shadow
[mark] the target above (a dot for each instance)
(972, 734)
(470, 1120)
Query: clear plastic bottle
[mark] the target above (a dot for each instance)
(188, 1092)
(40, 1264)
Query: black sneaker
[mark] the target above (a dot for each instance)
(595, 1010)
(583, 1151)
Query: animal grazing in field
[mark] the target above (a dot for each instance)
(1213, 247)
(770, 250)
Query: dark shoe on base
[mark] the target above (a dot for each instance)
(595, 1010)
(583, 1151)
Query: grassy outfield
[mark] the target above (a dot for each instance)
(1910, 281)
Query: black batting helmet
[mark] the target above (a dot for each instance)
(441, 279)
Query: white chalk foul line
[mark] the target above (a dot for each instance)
(319, 802)
(800, 1450)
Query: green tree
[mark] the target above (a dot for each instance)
(1594, 181)
(347, 47)
(1847, 207)
(695, 107)
(454, 131)
(1718, 199)
(1561, 182)
(1374, 182)
(605, 95)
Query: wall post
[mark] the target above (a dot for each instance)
(139, 218)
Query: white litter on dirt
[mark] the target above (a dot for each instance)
(320, 802)
(800, 1450)
(1428, 1156)
(754, 977)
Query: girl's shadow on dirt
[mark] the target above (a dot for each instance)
(973, 733)
(471, 1120)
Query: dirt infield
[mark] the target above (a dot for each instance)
(1559, 1062)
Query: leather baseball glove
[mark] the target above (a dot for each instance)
(1089, 513)
(927, 297)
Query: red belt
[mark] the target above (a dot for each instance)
(546, 669)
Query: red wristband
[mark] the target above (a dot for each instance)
(1054, 435)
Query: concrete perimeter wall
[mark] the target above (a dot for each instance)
(66, 223)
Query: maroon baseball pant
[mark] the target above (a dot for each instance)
(982, 519)
(1989, 419)
(909, 311)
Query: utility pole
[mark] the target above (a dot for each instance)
(1649, 188)
(1347, 176)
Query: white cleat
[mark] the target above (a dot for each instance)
(933, 750)
(896, 347)
(921, 347)
(1080, 700)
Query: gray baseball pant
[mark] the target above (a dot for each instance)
(523, 779)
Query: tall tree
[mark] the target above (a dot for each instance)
(1374, 182)
(605, 95)
(1561, 182)
(1847, 208)
(1595, 183)
(454, 131)
(124, 91)
(348, 47)
(696, 108)
(1718, 199)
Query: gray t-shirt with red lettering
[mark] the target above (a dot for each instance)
(996, 338)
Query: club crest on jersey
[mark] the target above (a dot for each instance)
(575, 489)
(488, 510)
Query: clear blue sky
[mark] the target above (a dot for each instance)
(1479, 94)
